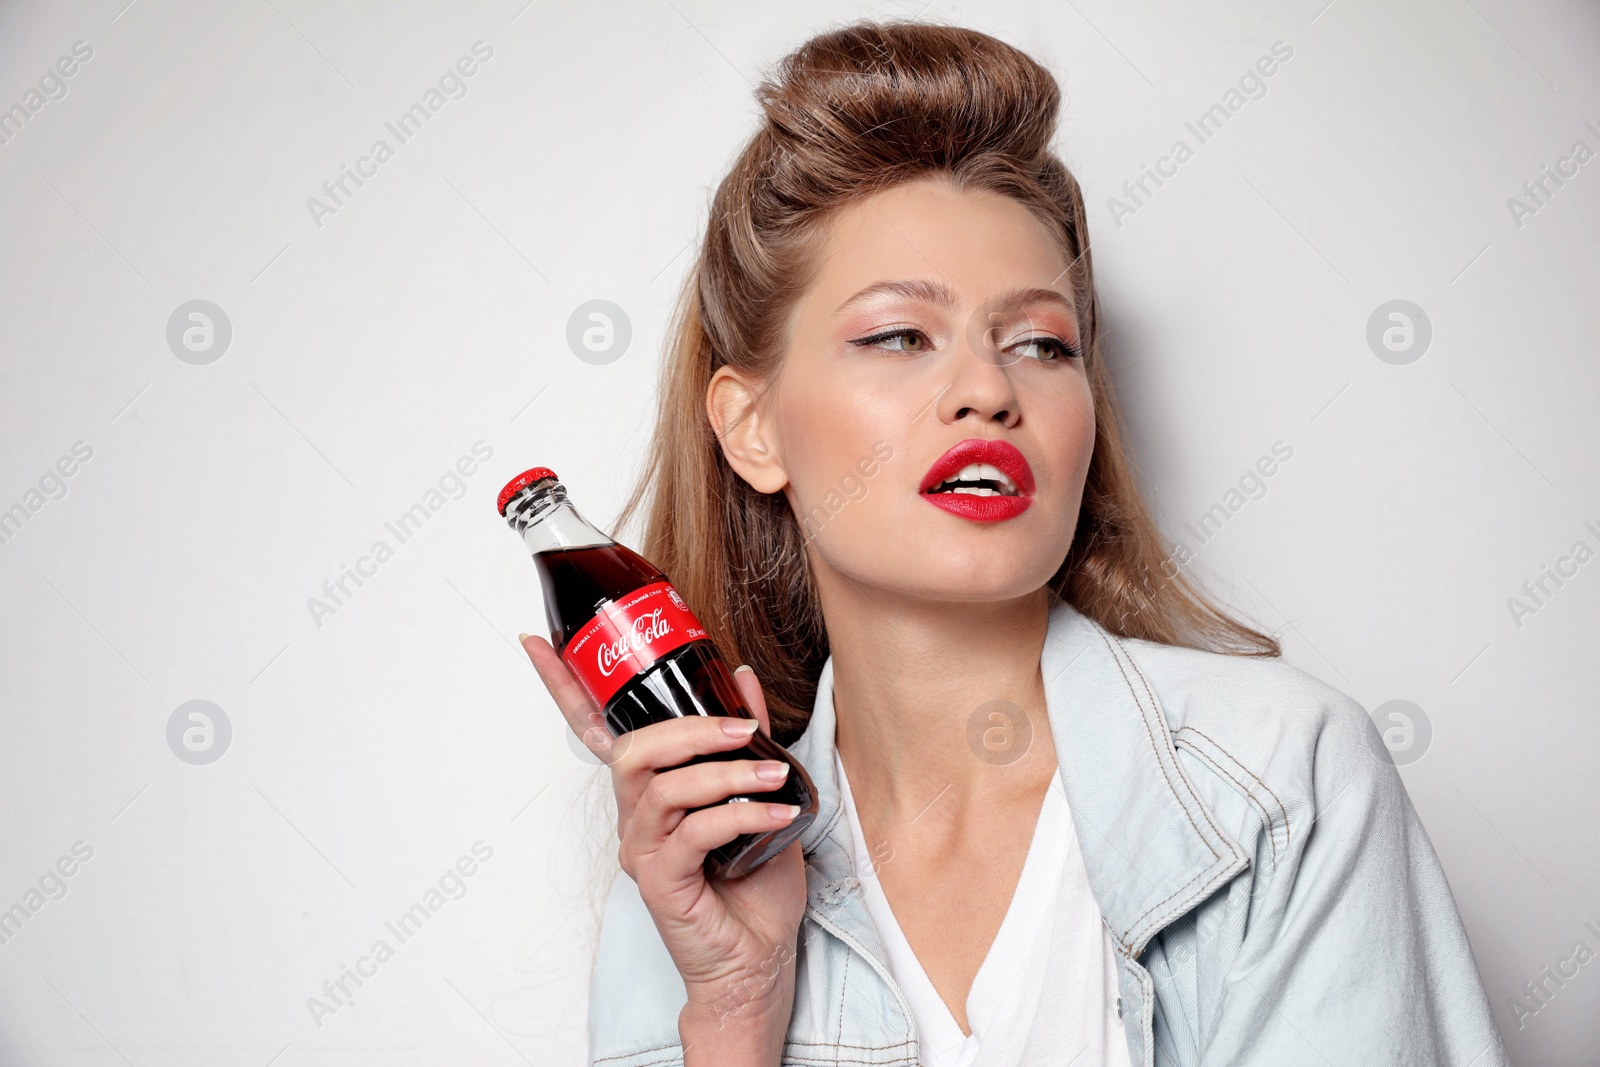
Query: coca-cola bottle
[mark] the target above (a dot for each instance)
(639, 651)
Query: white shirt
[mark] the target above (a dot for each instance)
(1046, 992)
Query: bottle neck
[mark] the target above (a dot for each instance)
(546, 521)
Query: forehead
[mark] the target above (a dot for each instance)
(971, 238)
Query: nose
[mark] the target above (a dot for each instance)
(979, 388)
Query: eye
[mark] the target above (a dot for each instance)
(912, 340)
(1053, 349)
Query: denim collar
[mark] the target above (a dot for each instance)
(1151, 847)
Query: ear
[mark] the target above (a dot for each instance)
(733, 404)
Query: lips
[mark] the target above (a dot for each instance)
(981, 480)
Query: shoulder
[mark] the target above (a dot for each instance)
(1259, 704)
(1262, 729)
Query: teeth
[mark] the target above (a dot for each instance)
(979, 472)
(993, 473)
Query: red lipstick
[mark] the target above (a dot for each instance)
(1012, 494)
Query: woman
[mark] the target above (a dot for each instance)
(1070, 812)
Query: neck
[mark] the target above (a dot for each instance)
(935, 701)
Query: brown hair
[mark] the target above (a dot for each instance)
(849, 113)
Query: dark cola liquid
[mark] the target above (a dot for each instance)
(691, 680)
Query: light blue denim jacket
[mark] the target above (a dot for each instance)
(1271, 894)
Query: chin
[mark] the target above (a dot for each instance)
(922, 552)
(967, 573)
(999, 580)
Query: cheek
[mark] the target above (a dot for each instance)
(841, 459)
(1073, 425)
(851, 522)
(830, 433)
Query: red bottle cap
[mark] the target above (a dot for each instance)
(520, 482)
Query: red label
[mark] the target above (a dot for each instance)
(628, 636)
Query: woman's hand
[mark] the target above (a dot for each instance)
(733, 940)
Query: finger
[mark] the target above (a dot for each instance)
(670, 795)
(574, 702)
(745, 679)
(675, 870)
(663, 746)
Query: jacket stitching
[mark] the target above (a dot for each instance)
(1244, 791)
(1180, 890)
(902, 1046)
(677, 1051)
(844, 983)
(1287, 840)
(825, 833)
(641, 1052)
(876, 1061)
(1156, 706)
(1127, 939)
(1147, 1016)
(1215, 854)
(856, 946)
(788, 1058)
(1156, 748)
(809, 1062)
(839, 1044)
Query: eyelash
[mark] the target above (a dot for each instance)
(1063, 348)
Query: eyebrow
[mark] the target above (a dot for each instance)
(939, 295)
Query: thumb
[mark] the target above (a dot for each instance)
(745, 679)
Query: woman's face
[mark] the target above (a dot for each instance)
(938, 317)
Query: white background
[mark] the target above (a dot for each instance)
(430, 312)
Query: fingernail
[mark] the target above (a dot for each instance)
(776, 771)
(735, 727)
(744, 667)
(783, 811)
(522, 637)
